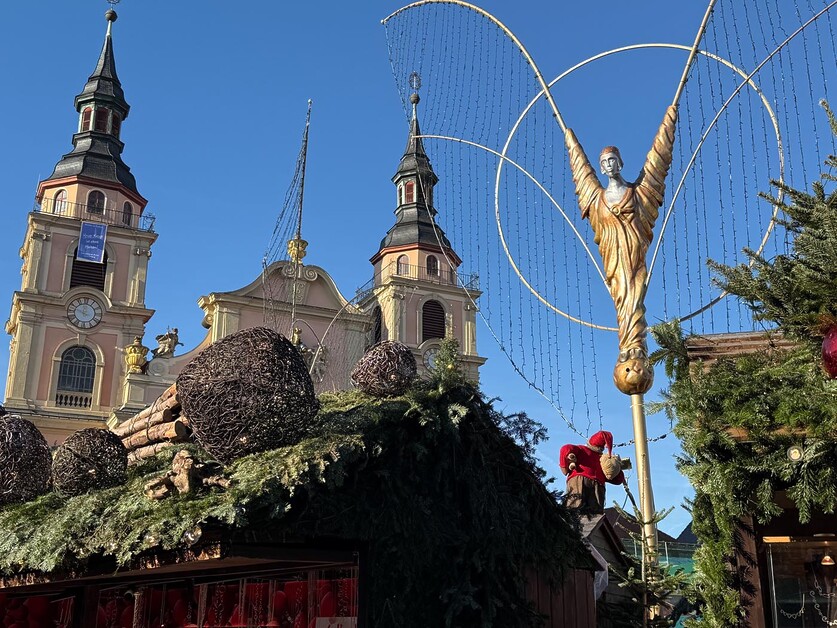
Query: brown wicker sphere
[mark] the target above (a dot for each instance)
(387, 369)
(25, 460)
(246, 393)
(88, 460)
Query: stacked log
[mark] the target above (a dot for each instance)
(157, 427)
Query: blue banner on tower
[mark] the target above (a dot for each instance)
(91, 242)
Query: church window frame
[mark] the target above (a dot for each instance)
(96, 202)
(377, 324)
(410, 192)
(433, 320)
(101, 119)
(402, 266)
(115, 124)
(76, 370)
(86, 119)
(109, 262)
(76, 400)
(59, 202)
(88, 274)
(432, 265)
(127, 214)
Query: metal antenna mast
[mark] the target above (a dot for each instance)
(296, 246)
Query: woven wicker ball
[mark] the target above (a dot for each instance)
(25, 460)
(386, 369)
(246, 393)
(90, 459)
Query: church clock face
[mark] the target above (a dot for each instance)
(429, 358)
(84, 312)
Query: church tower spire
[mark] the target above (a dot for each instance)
(97, 148)
(414, 181)
(418, 296)
(85, 265)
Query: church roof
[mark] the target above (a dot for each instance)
(415, 159)
(95, 157)
(414, 223)
(103, 86)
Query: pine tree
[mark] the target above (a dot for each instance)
(447, 365)
(659, 592)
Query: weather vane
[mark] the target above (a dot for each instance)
(415, 80)
(113, 2)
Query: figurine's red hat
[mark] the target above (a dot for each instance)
(601, 440)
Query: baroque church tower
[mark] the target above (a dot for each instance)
(418, 295)
(85, 258)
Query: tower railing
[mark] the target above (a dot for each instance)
(96, 213)
(442, 277)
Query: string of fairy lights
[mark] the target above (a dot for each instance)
(476, 86)
(476, 83)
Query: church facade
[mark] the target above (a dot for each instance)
(78, 356)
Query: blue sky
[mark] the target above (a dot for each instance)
(218, 92)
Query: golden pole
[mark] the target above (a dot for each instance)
(643, 473)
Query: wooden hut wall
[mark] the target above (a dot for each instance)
(568, 605)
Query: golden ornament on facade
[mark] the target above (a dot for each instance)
(135, 356)
(296, 249)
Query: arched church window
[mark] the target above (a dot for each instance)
(101, 119)
(410, 192)
(59, 203)
(86, 116)
(127, 213)
(115, 124)
(378, 324)
(402, 266)
(96, 202)
(400, 194)
(90, 274)
(432, 321)
(77, 370)
(432, 266)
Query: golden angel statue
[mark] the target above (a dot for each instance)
(622, 216)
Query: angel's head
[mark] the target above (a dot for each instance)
(610, 161)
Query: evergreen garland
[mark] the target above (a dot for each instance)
(778, 397)
(450, 507)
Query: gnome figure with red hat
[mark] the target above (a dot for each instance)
(587, 468)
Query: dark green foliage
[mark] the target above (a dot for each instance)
(777, 397)
(449, 506)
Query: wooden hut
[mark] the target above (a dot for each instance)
(417, 510)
